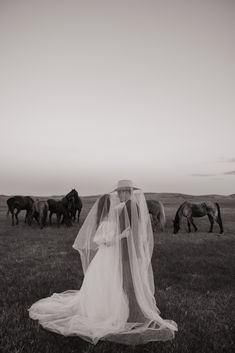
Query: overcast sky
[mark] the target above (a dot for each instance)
(96, 91)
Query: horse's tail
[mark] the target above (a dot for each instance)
(162, 216)
(219, 217)
(218, 209)
(8, 207)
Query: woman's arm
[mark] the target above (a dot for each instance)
(124, 234)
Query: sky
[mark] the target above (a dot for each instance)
(97, 91)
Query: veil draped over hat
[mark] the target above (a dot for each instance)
(129, 225)
(116, 301)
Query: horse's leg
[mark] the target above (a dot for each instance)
(30, 219)
(158, 224)
(50, 217)
(27, 217)
(16, 216)
(73, 215)
(58, 215)
(79, 214)
(36, 216)
(44, 217)
(189, 225)
(219, 221)
(12, 216)
(45, 220)
(194, 225)
(41, 220)
(152, 222)
(155, 222)
(211, 219)
(79, 211)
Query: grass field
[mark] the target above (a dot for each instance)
(193, 277)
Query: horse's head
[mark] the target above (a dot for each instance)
(71, 203)
(73, 192)
(176, 226)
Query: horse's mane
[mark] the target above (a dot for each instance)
(177, 218)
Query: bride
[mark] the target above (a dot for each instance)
(116, 300)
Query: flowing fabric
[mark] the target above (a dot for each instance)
(116, 300)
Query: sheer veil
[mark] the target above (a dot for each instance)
(126, 226)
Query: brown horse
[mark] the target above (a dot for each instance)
(157, 212)
(62, 209)
(77, 203)
(19, 203)
(190, 210)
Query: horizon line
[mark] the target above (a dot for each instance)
(145, 192)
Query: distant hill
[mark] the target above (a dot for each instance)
(147, 194)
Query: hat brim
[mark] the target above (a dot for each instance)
(126, 187)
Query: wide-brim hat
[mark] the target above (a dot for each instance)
(125, 184)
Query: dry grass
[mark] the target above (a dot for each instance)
(193, 278)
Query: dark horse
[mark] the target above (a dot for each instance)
(156, 210)
(190, 210)
(77, 206)
(64, 207)
(19, 203)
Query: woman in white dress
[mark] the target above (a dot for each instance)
(116, 300)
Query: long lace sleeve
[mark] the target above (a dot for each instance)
(105, 233)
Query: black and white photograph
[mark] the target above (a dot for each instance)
(117, 176)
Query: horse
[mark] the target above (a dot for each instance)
(77, 204)
(69, 203)
(190, 210)
(39, 212)
(61, 208)
(157, 212)
(19, 203)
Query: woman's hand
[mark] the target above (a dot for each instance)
(125, 233)
(108, 243)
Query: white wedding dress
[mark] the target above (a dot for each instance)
(99, 305)
(116, 300)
